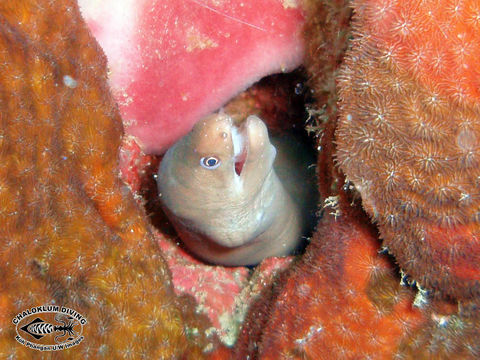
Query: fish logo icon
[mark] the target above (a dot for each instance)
(49, 327)
(38, 328)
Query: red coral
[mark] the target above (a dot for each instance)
(344, 300)
(341, 301)
(408, 135)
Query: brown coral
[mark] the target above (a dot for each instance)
(408, 135)
(450, 333)
(71, 232)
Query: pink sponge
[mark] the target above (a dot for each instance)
(173, 62)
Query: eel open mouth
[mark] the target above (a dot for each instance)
(240, 146)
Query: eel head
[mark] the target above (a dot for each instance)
(219, 189)
(218, 161)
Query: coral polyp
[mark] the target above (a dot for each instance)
(408, 136)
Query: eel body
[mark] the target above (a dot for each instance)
(219, 188)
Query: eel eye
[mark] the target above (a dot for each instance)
(210, 162)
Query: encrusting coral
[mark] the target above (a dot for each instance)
(71, 232)
(408, 135)
(450, 333)
(348, 302)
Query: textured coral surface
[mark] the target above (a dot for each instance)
(71, 233)
(408, 136)
(348, 302)
(450, 333)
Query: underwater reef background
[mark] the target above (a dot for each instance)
(72, 232)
